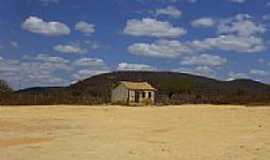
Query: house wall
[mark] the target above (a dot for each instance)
(142, 99)
(120, 94)
(131, 96)
(123, 95)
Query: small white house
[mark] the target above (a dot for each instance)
(133, 93)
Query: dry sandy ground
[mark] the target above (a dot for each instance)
(118, 133)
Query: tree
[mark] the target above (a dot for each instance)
(4, 87)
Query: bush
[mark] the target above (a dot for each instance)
(4, 87)
(147, 102)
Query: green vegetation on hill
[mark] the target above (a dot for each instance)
(5, 91)
(173, 88)
(4, 88)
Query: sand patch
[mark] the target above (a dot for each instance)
(6, 126)
(193, 132)
(21, 141)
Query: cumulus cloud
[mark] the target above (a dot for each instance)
(86, 73)
(71, 48)
(39, 26)
(152, 28)
(198, 70)
(43, 69)
(168, 1)
(34, 71)
(239, 34)
(174, 48)
(49, 1)
(237, 1)
(203, 22)
(51, 59)
(233, 76)
(89, 62)
(242, 25)
(161, 49)
(204, 60)
(85, 28)
(257, 72)
(170, 11)
(250, 44)
(134, 67)
(89, 67)
(14, 44)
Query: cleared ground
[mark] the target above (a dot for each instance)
(200, 132)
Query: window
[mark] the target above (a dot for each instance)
(150, 94)
(143, 94)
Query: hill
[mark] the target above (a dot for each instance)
(173, 88)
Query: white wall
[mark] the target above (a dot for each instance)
(131, 96)
(120, 94)
(147, 96)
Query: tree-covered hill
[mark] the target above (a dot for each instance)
(173, 88)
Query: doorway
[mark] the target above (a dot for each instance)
(137, 97)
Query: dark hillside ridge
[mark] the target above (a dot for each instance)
(173, 88)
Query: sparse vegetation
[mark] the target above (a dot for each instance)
(4, 88)
(173, 88)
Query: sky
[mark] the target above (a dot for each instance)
(59, 42)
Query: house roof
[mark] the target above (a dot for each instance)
(138, 85)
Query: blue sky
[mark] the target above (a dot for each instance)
(58, 42)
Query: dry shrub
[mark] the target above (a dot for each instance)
(147, 102)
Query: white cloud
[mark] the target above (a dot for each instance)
(257, 72)
(85, 28)
(89, 62)
(43, 69)
(34, 71)
(72, 48)
(39, 26)
(51, 59)
(161, 49)
(46, 2)
(169, 1)
(237, 1)
(266, 17)
(153, 28)
(203, 22)
(198, 70)
(242, 25)
(233, 76)
(238, 34)
(14, 44)
(170, 11)
(250, 44)
(134, 67)
(204, 60)
(173, 48)
(205, 71)
(86, 73)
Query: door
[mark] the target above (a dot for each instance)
(137, 97)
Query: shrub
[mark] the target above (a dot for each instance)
(147, 102)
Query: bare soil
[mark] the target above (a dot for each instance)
(190, 132)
